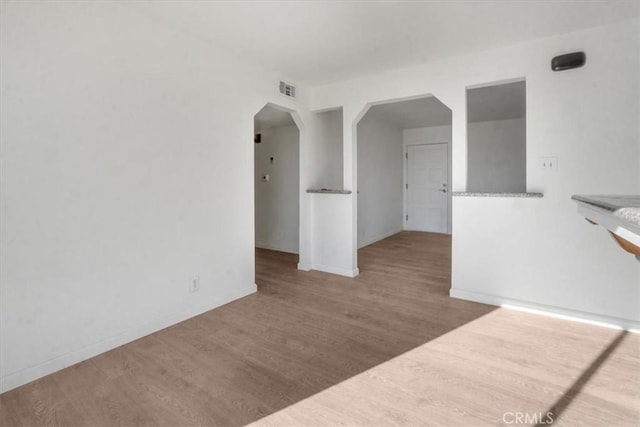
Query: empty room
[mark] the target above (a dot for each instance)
(319, 213)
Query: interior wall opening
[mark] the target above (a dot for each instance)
(404, 169)
(327, 165)
(276, 180)
(497, 138)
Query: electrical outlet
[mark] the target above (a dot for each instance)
(194, 284)
(549, 163)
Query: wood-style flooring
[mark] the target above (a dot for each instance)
(386, 348)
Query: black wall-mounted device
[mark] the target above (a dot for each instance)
(258, 138)
(568, 61)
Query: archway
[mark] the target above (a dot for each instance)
(403, 158)
(277, 180)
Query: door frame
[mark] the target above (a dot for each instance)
(405, 179)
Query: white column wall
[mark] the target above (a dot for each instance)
(541, 251)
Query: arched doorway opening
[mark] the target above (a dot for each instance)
(276, 181)
(404, 170)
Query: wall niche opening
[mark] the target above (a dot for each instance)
(497, 138)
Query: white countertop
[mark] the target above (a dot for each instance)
(620, 214)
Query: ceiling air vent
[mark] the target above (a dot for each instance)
(287, 90)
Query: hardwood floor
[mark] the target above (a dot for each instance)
(389, 347)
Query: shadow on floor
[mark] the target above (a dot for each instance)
(301, 333)
(555, 411)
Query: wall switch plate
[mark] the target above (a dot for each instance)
(194, 284)
(549, 163)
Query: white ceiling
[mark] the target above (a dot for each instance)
(317, 42)
(270, 117)
(416, 113)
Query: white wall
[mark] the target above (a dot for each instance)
(497, 156)
(331, 240)
(331, 237)
(126, 169)
(326, 159)
(534, 251)
(431, 135)
(277, 200)
(380, 163)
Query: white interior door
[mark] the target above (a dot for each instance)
(427, 188)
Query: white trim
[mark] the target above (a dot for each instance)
(379, 237)
(304, 266)
(162, 321)
(549, 310)
(336, 270)
(405, 179)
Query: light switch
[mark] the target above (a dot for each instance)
(549, 163)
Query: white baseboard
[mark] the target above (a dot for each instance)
(336, 270)
(379, 237)
(163, 321)
(576, 315)
(304, 266)
(274, 248)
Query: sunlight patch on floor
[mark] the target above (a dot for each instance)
(486, 373)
